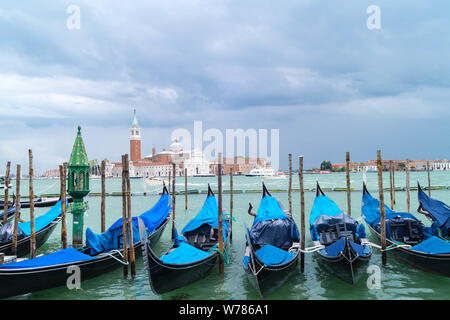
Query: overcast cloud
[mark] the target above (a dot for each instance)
(309, 68)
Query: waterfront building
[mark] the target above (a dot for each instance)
(441, 165)
(160, 164)
(240, 165)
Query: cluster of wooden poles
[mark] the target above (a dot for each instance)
(381, 192)
(63, 172)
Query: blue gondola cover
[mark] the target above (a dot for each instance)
(271, 255)
(58, 257)
(209, 215)
(371, 211)
(184, 253)
(272, 226)
(42, 221)
(439, 211)
(24, 228)
(333, 250)
(110, 238)
(433, 245)
(323, 206)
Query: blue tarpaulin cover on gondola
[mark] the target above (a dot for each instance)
(439, 211)
(58, 257)
(333, 250)
(326, 213)
(269, 209)
(42, 221)
(184, 253)
(110, 238)
(24, 228)
(271, 255)
(272, 225)
(371, 211)
(209, 215)
(433, 245)
(360, 250)
(323, 206)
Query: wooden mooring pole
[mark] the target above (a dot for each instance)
(124, 218)
(349, 195)
(6, 203)
(174, 168)
(391, 183)
(231, 204)
(290, 185)
(170, 178)
(17, 212)
(132, 257)
(429, 178)
(382, 211)
(408, 195)
(102, 203)
(31, 199)
(302, 214)
(393, 186)
(62, 177)
(185, 190)
(219, 182)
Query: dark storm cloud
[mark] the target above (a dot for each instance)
(301, 66)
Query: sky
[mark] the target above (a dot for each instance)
(310, 68)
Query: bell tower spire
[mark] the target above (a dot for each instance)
(135, 140)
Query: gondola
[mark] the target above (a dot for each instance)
(346, 249)
(437, 211)
(44, 226)
(193, 254)
(101, 254)
(41, 202)
(272, 246)
(11, 211)
(426, 251)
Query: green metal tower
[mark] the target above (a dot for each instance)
(78, 187)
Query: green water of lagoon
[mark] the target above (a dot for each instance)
(398, 280)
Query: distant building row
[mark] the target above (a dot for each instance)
(398, 165)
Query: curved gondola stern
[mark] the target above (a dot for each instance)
(419, 188)
(165, 190)
(266, 192)
(319, 191)
(210, 192)
(365, 191)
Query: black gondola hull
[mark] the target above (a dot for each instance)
(167, 277)
(20, 281)
(266, 279)
(436, 264)
(347, 269)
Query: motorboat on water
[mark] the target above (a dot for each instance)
(261, 172)
(154, 181)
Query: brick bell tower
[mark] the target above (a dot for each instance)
(135, 140)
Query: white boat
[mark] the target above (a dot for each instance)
(154, 181)
(261, 172)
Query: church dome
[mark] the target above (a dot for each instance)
(176, 146)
